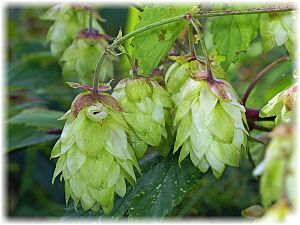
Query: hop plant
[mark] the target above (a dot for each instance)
(80, 58)
(209, 119)
(146, 109)
(68, 20)
(281, 105)
(278, 168)
(95, 158)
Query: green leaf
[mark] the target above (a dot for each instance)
(163, 187)
(38, 117)
(20, 136)
(233, 34)
(152, 45)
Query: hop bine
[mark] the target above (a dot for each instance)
(95, 158)
(209, 119)
(146, 109)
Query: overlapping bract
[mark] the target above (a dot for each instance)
(80, 59)
(68, 20)
(209, 118)
(95, 158)
(278, 169)
(281, 105)
(146, 110)
(278, 29)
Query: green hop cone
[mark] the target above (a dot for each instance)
(146, 109)
(278, 29)
(68, 20)
(209, 119)
(278, 168)
(282, 106)
(277, 213)
(80, 59)
(95, 158)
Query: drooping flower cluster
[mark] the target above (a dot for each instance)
(278, 184)
(278, 168)
(281, 105)
(80, 59)
(146, 110)
(95, 158)
(209, 119)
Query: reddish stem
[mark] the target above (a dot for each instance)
(260, 75)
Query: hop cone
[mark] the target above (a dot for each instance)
(67, 21)
(95, 158)
(281, 105)
(80, 58)
(278, 168)
(209, 119)
(146, 109)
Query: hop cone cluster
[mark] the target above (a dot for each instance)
(80, 58)
(146, 109)
(281, 105)
(95, 158)
(68, 19)
(209, 118)
(278, 169)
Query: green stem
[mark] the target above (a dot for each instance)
(97, 72)
(90, 19)
(191, 41)
(177, 18)
(201, 39)
(245, 11)
(202, 14)
(145, 28)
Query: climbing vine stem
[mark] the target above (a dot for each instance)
(260, 75)
(199, 14)
(203, 46)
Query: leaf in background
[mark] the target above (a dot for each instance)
(20, 136)
(277, 29)
(163, 187)
(34, 71)
(233, 34)
(151, 46)
(38, 117)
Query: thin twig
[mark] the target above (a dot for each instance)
(201, 39)
(260, 75)
(191, 41)
(97, 72)
(181, 46)
(90, 19)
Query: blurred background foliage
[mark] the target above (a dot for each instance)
(37, 95)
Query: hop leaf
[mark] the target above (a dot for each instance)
(146, 106)
(95, 158)
(80, 58)
(281, 105)
(67, 21)
(209, 119)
